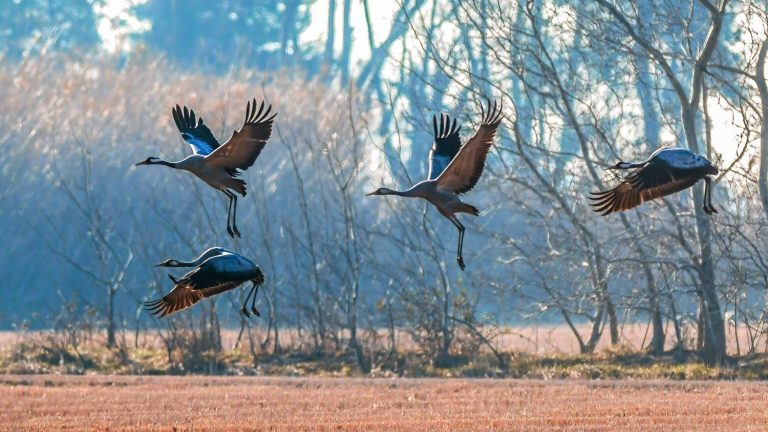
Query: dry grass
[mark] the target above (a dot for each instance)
(531, 339)
(239, 403)
(47, 353)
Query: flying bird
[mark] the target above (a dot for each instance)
(217, 270)
(220, 165)
(454, 169)
(666, 171)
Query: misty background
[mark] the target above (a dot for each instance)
(86, 88)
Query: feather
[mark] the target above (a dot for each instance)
(197, 134)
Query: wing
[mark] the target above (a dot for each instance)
(465, 169)
(216, 275)
(447, 144)
(198, 136)
(183, 296)
(242, 149)
(647, 183)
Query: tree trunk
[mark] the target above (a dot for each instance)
(714, 336)
(346, 50)
(111, 342)
(658, 337)
(331, 32)
(596, 334)
(762, 87)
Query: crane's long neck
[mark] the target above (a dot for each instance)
(410, 193)
(627, 165)
(166, 163)
(194, 263)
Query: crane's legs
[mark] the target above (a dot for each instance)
(234, 215)
(244, 310)
(460, 227)
(229, 211)
(708, 207)
(231, 224)
(253, 302)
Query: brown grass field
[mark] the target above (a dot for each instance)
(247, 403)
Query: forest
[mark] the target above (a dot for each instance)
(87, 90)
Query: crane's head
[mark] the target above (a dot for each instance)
(710, 167)
(259, 279)
(148, 161)
(381, 191)
(169, 263)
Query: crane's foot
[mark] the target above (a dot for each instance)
(255, 311)
(461, 263)
(230, 232)
(710, 209)
(245, 312)
(236, 231)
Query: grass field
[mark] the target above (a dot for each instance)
(46, 402)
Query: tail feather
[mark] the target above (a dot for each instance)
(239, 186)
(469, 208)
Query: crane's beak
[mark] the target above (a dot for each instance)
(147, 161)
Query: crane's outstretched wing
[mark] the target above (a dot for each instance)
(465, 169)
(242, 149)
(644, 184)
(198, 136)
(447, 145)
(183, 296)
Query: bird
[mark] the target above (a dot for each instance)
(668, 170)
(220, 165)
(217, 270)
(454, 169)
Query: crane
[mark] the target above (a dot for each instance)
(454, 169)
(666, 171)
(216, 270)
(220, 165)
